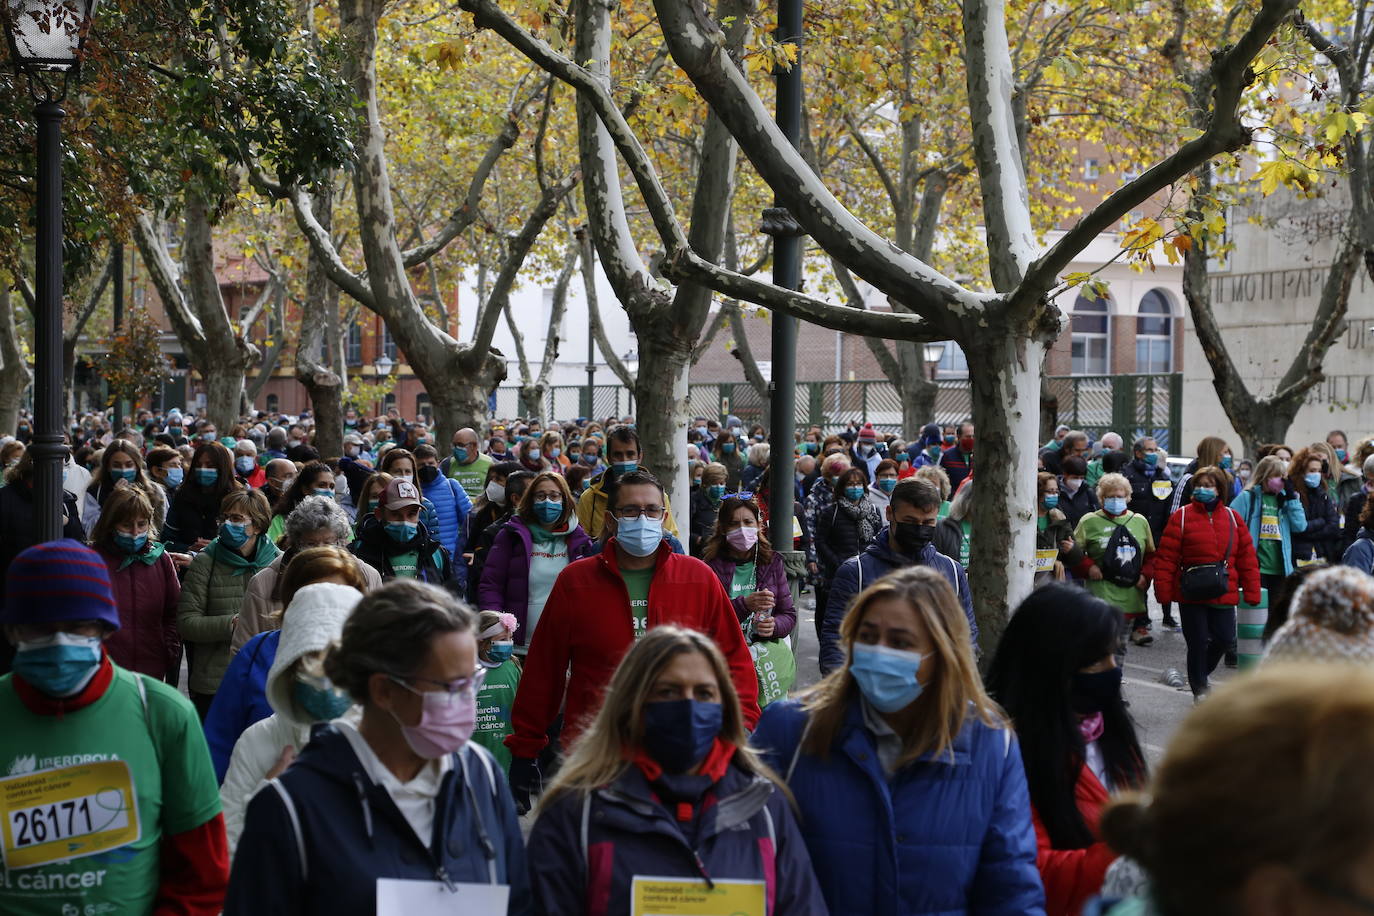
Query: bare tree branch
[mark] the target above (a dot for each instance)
(588, 259)
(72, 331)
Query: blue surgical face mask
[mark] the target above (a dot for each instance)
(1313, 480)
(887, 484)
(244, 464)
(59, 665)
(555, 452)
(1051, 500)
(402, 532)
(500, 652)
(233, 535)
(716, 491)
(548, 510)
(123, 473)
(639, 536)
(1205, 494)
(886, 676)
(624, 467)
(1225, 462)
(1341, 455)
(1151, 459)
(460, 454)
(678, 734)
(532, 454)
(324, 491)
(727, 448)
(206, 477)
(854, 494)
(1115, 505)
(175, 476)
(321, 703)
(130, 543)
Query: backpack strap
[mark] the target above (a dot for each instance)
(290, 806)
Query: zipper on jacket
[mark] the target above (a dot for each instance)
(701, 867)
(367, 808)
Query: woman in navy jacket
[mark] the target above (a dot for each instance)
(404, 795)
(912, 794)
(661, 786)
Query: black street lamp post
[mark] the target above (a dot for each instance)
(787, 250)
(45, 39)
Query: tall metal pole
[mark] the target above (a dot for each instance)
(49, 452)
(787, 249)
(118, 307)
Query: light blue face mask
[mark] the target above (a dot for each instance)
(624, 467)
(548, 510)
(233, 535)
(460, 454)
(1205, 494)
(130, 543)
(639, 536)
(59, 665)
(887, 677)
(1115, 505)
(1051, 500)
(1151, 459)
(402, 532)
(500, 652)
(245, 464)
(716, 491)
(175, 476)
(854, 494)
(887, 484)
(1313, 480)
(324, 491)
(207, 477)
(123, 473)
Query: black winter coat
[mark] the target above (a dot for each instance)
(1322, 539)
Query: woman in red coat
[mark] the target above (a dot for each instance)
(1199, 536)
(1055, 673)
(145, 587)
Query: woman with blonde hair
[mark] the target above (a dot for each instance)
(662, 786)
(1287, 829)
(937, 476)
(909, 778)
(1273, 512)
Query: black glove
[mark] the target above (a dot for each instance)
(1288, 491)
(525, 780)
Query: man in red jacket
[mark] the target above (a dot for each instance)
(598, 607)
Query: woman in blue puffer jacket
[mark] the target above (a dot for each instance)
(912, 794)
(661, 798)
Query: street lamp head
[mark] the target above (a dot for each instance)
(934, 351)
(384, 364)
(47, 34)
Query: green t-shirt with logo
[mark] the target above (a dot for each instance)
(1270, 547)
(637, 583)
(493, 710)
(405, 565)
(1093, 532)
(471, 477)
(742, 583)
(175, 796)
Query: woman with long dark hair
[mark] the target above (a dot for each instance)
(314, 479)
(193, 520)
(121, 464)
(1055, 674)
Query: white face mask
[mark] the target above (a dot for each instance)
(496, 492)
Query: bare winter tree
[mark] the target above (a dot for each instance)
(75, 325)
(14, 374)
(534, 385)
(1004, 332)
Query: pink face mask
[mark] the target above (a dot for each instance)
(742, 538)
(446, 722)
(1274, 485)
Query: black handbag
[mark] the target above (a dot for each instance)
(1206, 581)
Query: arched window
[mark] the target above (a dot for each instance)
(1154, 334)
(1090, 335)
(273, 403)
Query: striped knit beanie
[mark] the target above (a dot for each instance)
(58, 581)
(1332, 620)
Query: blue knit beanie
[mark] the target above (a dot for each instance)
(58, 581)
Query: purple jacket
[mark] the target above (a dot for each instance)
(147, 640)
(505, 584)
(772, 577)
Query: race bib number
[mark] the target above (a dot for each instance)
(1163, 489)
(1310, 561)
(1044, 559)
(397, 897)
(688, 897)
(66, 813)
(1269, 528)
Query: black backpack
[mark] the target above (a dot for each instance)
(1122, 560)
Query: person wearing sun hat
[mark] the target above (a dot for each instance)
(80, 729)
(299, 693)
(1332, 620)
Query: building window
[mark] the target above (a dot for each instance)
(1154, 334)
(273, 403)
(388, 401)
(1090, 336)
(388, 343)
(1091, 169)
(422, 407)
(353, 347)
(952, 362)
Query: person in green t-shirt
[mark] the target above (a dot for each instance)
(468, 465)
(495, 648)
(1094, 532)
(106, 786)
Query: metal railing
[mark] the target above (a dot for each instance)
(1132, 405)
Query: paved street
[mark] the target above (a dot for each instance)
(1157, 708)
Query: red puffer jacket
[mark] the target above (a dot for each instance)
(1194, 536)
(1071, 876)
(587, 625)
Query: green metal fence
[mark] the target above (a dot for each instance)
(1132, 405)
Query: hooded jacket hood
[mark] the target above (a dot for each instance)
(312, 621)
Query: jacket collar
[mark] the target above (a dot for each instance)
(857, 742)
(611, 561)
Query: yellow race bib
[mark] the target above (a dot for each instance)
(1269, 528)
(1044, 559)
(1163, 489)
(66, 813)
(689, 897)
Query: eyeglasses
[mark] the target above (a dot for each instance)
(630, 513)
(458, 687)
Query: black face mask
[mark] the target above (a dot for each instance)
(428, 473)
(912, 537)
(1090, 693)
